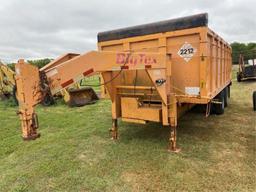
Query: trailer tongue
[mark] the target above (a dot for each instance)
(32, 88)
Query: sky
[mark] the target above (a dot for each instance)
(35, 29)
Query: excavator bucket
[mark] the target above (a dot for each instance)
(81, 97)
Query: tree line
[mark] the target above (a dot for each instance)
(248, 50)
(37, 62)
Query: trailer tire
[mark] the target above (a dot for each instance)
(219, 108)
(254, 100)
(229, 91)
(225, 96)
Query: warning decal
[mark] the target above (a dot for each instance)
(187, 51)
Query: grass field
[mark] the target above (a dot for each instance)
(75, 152)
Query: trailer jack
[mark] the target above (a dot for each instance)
(29, 123)
(114, 130)
(173, 140)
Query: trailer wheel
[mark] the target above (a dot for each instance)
(225, 96)
(229, 91)
(219, 108)
(254, 100)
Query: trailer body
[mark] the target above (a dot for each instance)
(200, 63)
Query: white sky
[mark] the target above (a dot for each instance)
(48, 28)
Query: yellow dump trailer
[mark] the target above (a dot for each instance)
(200, 68)
(152, 72)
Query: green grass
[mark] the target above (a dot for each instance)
(75, 152)
(93, 81)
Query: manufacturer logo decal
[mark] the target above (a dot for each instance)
(132, 60)
(187, 51)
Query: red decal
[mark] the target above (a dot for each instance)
(132, 60)
(88, 72)
(67, 83)
(125, 67)
(120, 58)
(147, 60)
(147, 66)
(135, 61)
(141, 57)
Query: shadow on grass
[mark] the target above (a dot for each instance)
(152, 131)
(191, 134)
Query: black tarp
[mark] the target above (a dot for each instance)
(158, 27)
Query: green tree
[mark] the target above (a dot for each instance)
(248, 50)
(37, 62)
(40, 62)
(11, 65)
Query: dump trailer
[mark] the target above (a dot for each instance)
(246, 72)
(75, 96)
(154, 72)
(7, 81)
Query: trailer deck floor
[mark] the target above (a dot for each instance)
(76, 154)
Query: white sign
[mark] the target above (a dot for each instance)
(187, 51)
(192, 90)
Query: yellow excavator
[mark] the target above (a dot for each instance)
(74, 96)
(7, 81)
